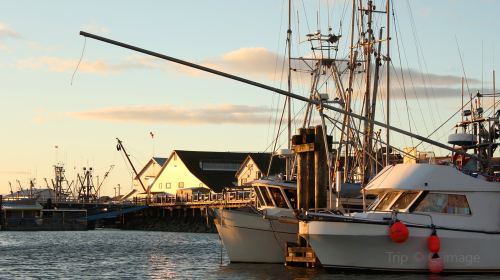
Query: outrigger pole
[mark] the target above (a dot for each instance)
(276, 90)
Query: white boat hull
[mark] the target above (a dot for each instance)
(368, 246)
(249, 237)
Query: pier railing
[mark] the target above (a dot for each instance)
(232, 198)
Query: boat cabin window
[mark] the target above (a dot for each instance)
(444, 203)
(260, 198)
(265, 195)
(404, 200)
(292, 197)
(386, 201)
(278, 197)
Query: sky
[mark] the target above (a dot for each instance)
(46, 101)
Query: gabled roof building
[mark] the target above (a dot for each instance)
(149, 172)
(256, 166)
(195, 169)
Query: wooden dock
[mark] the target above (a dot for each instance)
(300, 255)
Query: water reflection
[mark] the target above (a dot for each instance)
(113, 254)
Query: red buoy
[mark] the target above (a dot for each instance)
(433, 242)
(435, 264)
(398, 232)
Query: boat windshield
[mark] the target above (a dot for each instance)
(278, 197)
(292, 197)
(260, 198)
(267, 199)
(404, 200)
(386, 201)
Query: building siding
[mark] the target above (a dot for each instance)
(175, 176)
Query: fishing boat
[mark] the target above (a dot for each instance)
(428, 217)
(259, 234)
(429, 200)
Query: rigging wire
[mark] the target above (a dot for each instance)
(396, 25)
(274, 97)
(463, 68)
(402, 77)
(79, 61)
(445, 122)
(420, 60)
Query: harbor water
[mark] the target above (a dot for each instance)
(115, 254)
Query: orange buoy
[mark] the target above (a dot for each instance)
(435, 264)
(398, 232)
(433, 242)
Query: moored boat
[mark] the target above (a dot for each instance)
(462, 210)
(259, 235)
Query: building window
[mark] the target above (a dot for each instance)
(201, 185)
(243, 181)
(259, 174)
(160, 186)
(220, 165)
(181, 185)
(168, 185)
(175, 157)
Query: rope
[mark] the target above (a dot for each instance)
(79, 61)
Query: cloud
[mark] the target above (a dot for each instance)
(261, 63)
(45, 48)
(98, 66)
(58, 64)
(426, 85)
(255, 62)
(7, 32)
(182, 115)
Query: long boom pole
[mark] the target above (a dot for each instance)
(273, 89)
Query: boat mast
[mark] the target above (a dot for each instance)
(288, 162)
(346, 129)
(388, 80)
(367, 45)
